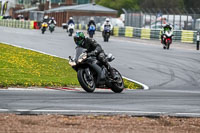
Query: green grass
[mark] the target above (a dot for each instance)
(131, 85)
(24, 68)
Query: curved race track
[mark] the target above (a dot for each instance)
(172, 75)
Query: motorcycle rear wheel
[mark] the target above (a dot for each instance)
(88, 86)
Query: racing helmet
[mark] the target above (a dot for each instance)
(45, 17)
(167, 27)
(92, 18)
(107, 20)
(79, 38)
(70, 18)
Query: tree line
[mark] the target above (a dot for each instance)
(150, 4)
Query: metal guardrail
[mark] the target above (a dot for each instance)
(17, 23)
(185, 36)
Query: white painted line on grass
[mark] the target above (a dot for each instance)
(144, 86)
(102, 111)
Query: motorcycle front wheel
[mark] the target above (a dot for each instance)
(51, 30)
(91, 35)
(168, 45)
(87, 83)
(43, 30)
(118, 86)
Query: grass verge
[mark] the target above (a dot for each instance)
(25, 68)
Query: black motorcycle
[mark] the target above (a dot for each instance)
(106, 33)
(51, 27)
(92, 74)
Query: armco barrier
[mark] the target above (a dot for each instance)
(187, 36)
(137, 32)
(145, 33)
(129, 32)
(183, 36)
(116, 31)
(17, 23)
(179, 35)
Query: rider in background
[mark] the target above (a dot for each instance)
(107, 23)
(71, 21)
(45, 19)
(166, 27)
(52, 20)
(91, 22)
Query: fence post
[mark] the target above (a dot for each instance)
(197, 40)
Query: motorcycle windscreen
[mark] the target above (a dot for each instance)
(78, 52)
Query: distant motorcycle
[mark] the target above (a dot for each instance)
(92, 74)
(51, 27)
(44, 27)
(106, 33)
(167, 39)
(64, 26)
(71, 29)
(91, 31)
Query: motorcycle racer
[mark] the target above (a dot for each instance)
(166, 27)
(93, 49)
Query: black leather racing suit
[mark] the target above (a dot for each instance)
(93, 48)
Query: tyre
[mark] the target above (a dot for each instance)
(168, 45)
(70, 32)
(118, 86)
(43, 30)
(104, 38)
(87, 84)
(91, 35)
(107, 38)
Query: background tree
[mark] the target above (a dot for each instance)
(156, 4)
(192, 3)
(161, 3)
(119, 4)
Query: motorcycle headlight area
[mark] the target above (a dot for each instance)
(72, 63)
(82, 57)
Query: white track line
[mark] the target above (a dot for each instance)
(144, 86)
(100, 111)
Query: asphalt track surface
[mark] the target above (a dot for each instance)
(173, 77)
